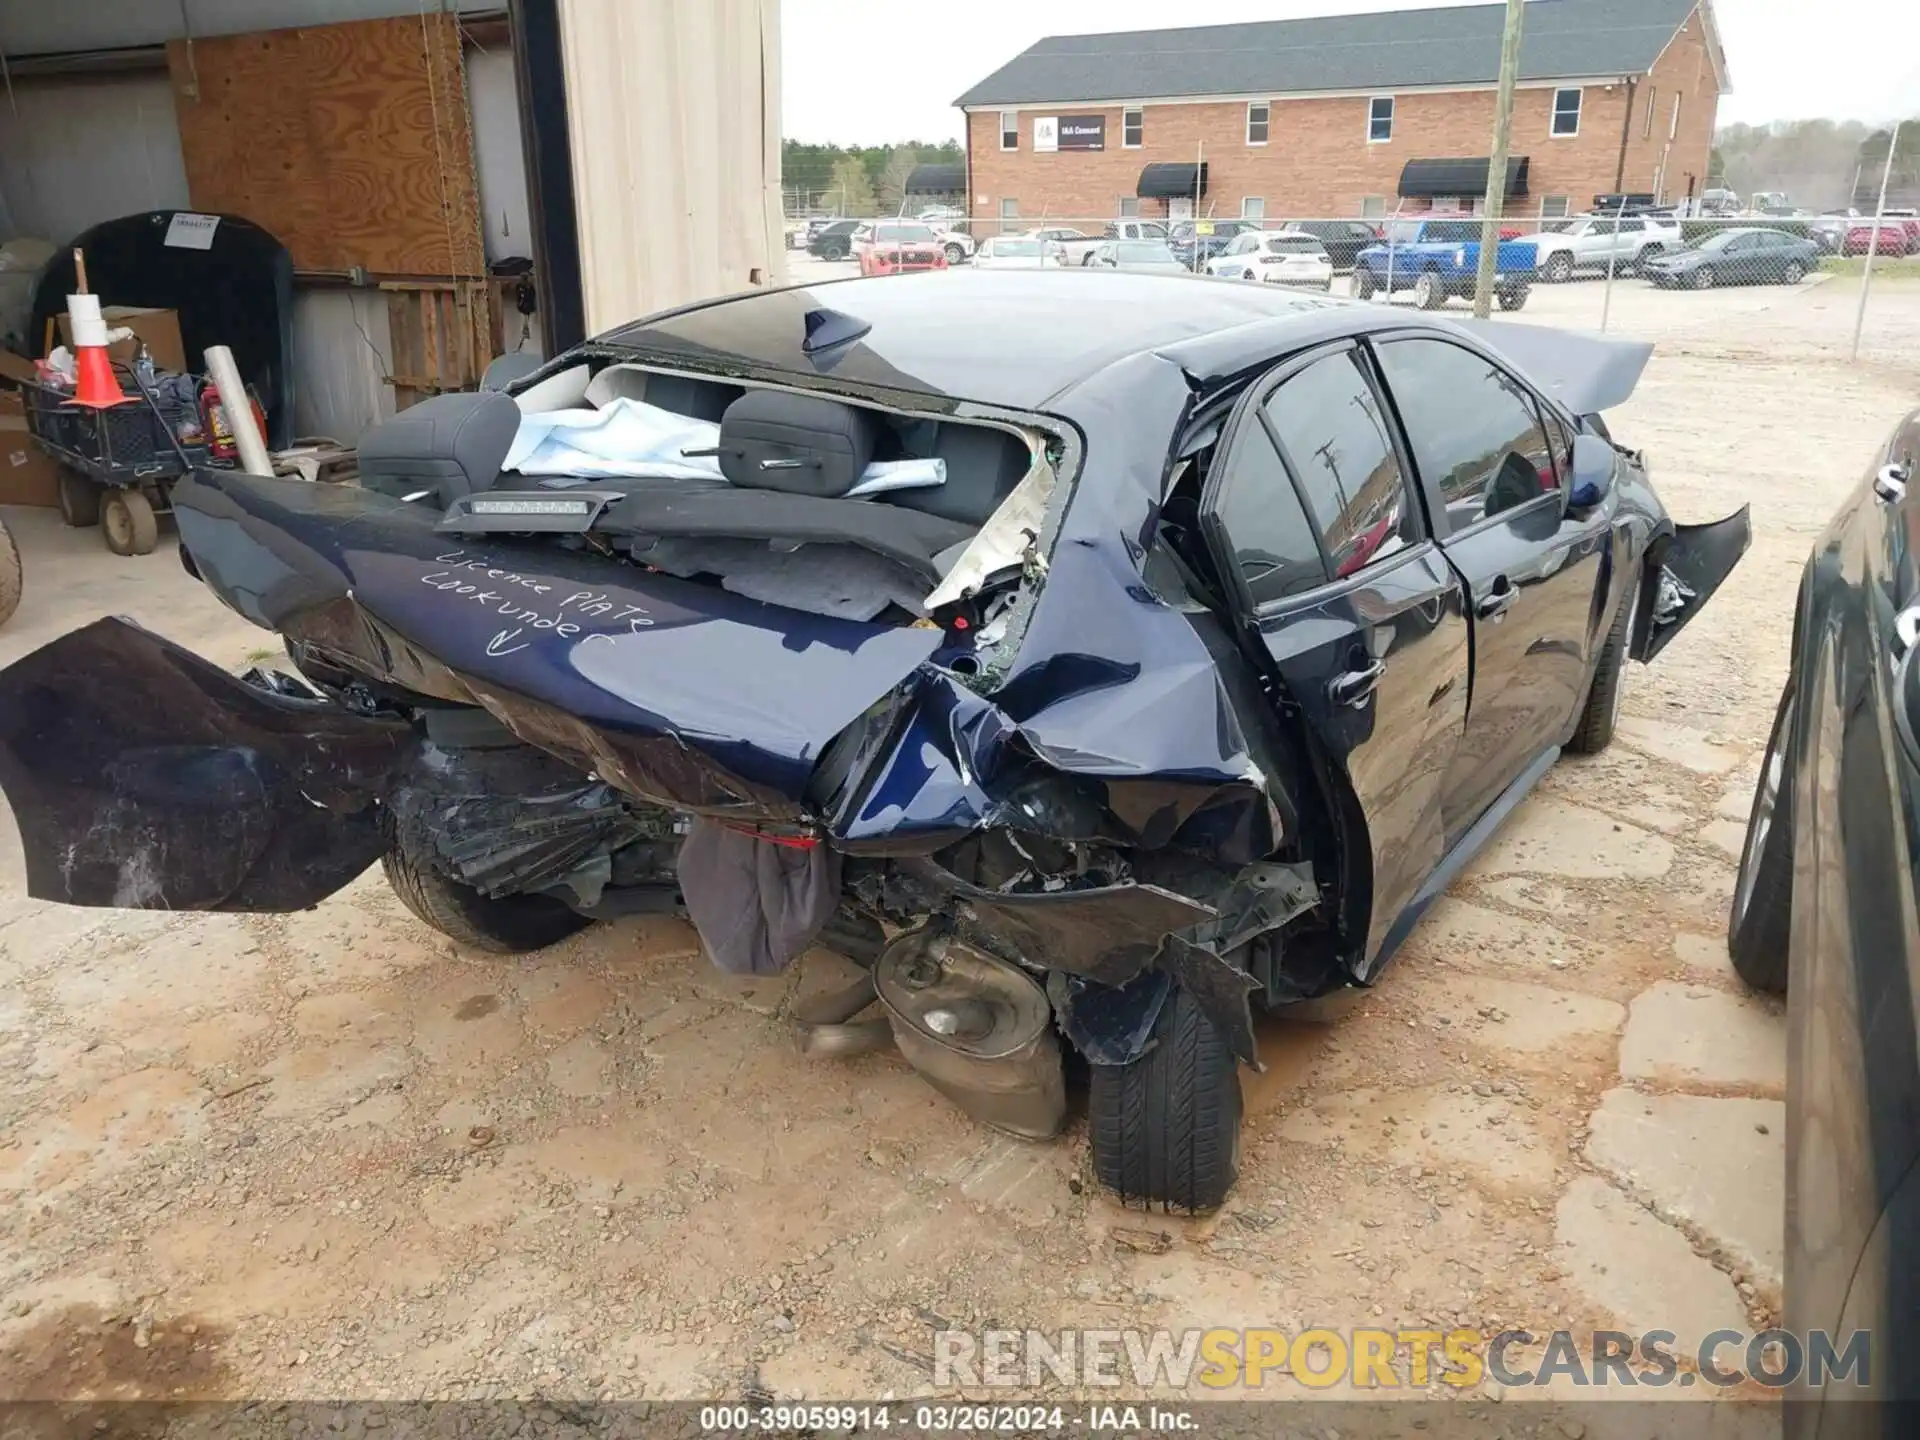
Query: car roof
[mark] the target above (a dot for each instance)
(1012, 338)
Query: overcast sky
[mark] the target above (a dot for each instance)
(862, 72)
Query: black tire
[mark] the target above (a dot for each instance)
(79, 499)
(1792, 272)
(510, 925)
(1363, 283)
(1558, 269)
(1511, 299)
(956, 253)
(127, 522)
(1166, 1128)
(1702, 279)
(1429, 292)
(1757, 923)
(1602, 710)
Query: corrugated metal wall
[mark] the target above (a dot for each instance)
(673, 107)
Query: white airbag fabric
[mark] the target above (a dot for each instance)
(632, 438)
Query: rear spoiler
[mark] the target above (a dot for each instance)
(1585, 373)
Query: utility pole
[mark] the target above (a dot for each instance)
(1497, 163)
(1873, 245)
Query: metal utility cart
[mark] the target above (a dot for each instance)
(118, 463)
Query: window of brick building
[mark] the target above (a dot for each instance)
(1552, 206)
(1259, 112)
(1373, 207)
(1133, 125)
(1646, 120)
(1009, 210)
(1566, 111)
(1379, 119)
(1009, 129)
(1253, 207)
(1129, 206)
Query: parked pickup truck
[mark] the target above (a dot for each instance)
(1593, 242)
(1439, 258)
(1079, 247)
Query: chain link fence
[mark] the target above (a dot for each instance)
(1837, 285)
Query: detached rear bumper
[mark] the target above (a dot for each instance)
(1695, 560)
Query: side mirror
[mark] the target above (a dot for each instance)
(1593, 462)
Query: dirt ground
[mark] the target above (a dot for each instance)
(331, 1155)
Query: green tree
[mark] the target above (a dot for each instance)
(849, 191)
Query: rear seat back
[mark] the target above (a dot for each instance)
(449, 446)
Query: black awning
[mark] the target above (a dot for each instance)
(1465, 178)
(945, 179)
(1170, 180)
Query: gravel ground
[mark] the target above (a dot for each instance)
(330, 1155)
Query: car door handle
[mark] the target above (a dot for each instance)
(1494, 603)
(1890, 482)
(1356, 687)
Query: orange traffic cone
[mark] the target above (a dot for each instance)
(93, 379)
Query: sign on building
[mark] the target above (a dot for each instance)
(1083, 132)
(1069, 132)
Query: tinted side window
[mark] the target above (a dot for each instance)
(1475, 433)
(1328, 422)
(1271, 538)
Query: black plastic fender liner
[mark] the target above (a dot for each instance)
(144, 777)
(1699, 557)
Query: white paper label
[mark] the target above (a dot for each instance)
(1046, 134)
(192, 232)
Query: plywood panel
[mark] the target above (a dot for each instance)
(349, 142)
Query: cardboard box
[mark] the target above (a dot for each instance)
(159, 328)
(28, 475)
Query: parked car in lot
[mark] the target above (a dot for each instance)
(892, 247)
(1143, 256)
(1829, 232)
(1439, 259)
(1882, 237)
(1074, 746)
(1824, 912)
(834, 239)
(1017, 252)
(1744, 256)
(1080, 248)
(1343, 239)
(1278, 257)
(957, 245)
(1196, 242)
(1596, 242)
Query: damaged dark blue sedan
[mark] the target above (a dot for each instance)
(1094, 656)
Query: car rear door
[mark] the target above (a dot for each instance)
(1314, 525)
(1488, 465)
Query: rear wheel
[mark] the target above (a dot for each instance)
(79, 499)
(1703, 278)
(1428, 292)
(1559, 268)
(1757, 923)
(1792, 272)
(1511, 299)
(128, 524)
(509, 925)
(1602, 710)
(955, 254)
(1166, 1128)
(1363, 283)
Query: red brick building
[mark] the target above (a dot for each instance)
(1349, 115)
